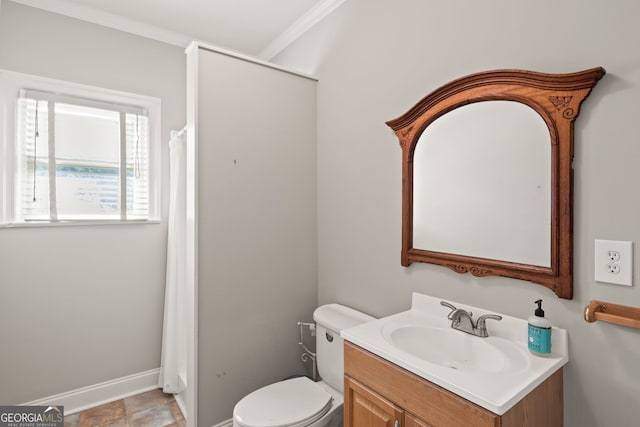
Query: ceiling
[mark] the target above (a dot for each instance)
(258, 28)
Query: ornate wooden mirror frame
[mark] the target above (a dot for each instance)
(557, 99)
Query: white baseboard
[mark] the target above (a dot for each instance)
(227, 423)
(99, 394)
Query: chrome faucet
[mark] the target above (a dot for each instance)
(462, 320)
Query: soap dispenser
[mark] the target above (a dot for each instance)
(539, 336)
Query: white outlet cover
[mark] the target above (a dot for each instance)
(601, 261)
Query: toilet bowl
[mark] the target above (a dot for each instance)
(301, 402)
(297, 402)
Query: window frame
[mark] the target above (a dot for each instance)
(11, 85)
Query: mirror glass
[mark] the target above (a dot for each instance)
(482, 184)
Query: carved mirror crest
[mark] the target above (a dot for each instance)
(487, 176)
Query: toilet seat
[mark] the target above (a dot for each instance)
(290, 403)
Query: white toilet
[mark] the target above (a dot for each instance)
(300, 402)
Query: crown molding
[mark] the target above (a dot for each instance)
(109, 20)
(117, 22)
(298, 28)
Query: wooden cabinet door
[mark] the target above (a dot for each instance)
(412, 421)
(365, 408)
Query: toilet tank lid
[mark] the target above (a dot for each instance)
(338, 317)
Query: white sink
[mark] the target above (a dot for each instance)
(494, 372)
(454, 349)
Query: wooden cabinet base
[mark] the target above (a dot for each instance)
(379, 393)
(367, 409)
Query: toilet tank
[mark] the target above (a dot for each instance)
(330, 320)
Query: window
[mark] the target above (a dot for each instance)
(78, 153)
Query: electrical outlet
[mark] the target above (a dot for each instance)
(613, 268)
(613, 256)
(614, 262)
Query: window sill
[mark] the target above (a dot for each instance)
(72, 223)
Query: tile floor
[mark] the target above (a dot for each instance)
(151, 409)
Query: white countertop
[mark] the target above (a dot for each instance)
(495, 389)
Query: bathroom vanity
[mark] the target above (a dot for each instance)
(413, 369)
(380, 393)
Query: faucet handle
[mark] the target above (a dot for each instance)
(449, 306)
(481, 326)
(489, 316)
(453, 310)
(446, 304)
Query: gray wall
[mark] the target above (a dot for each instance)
(83, 304)
(256, 142)
(375, 59)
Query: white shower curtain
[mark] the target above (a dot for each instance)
(174, 343)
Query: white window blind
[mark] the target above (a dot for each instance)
(81, 159)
